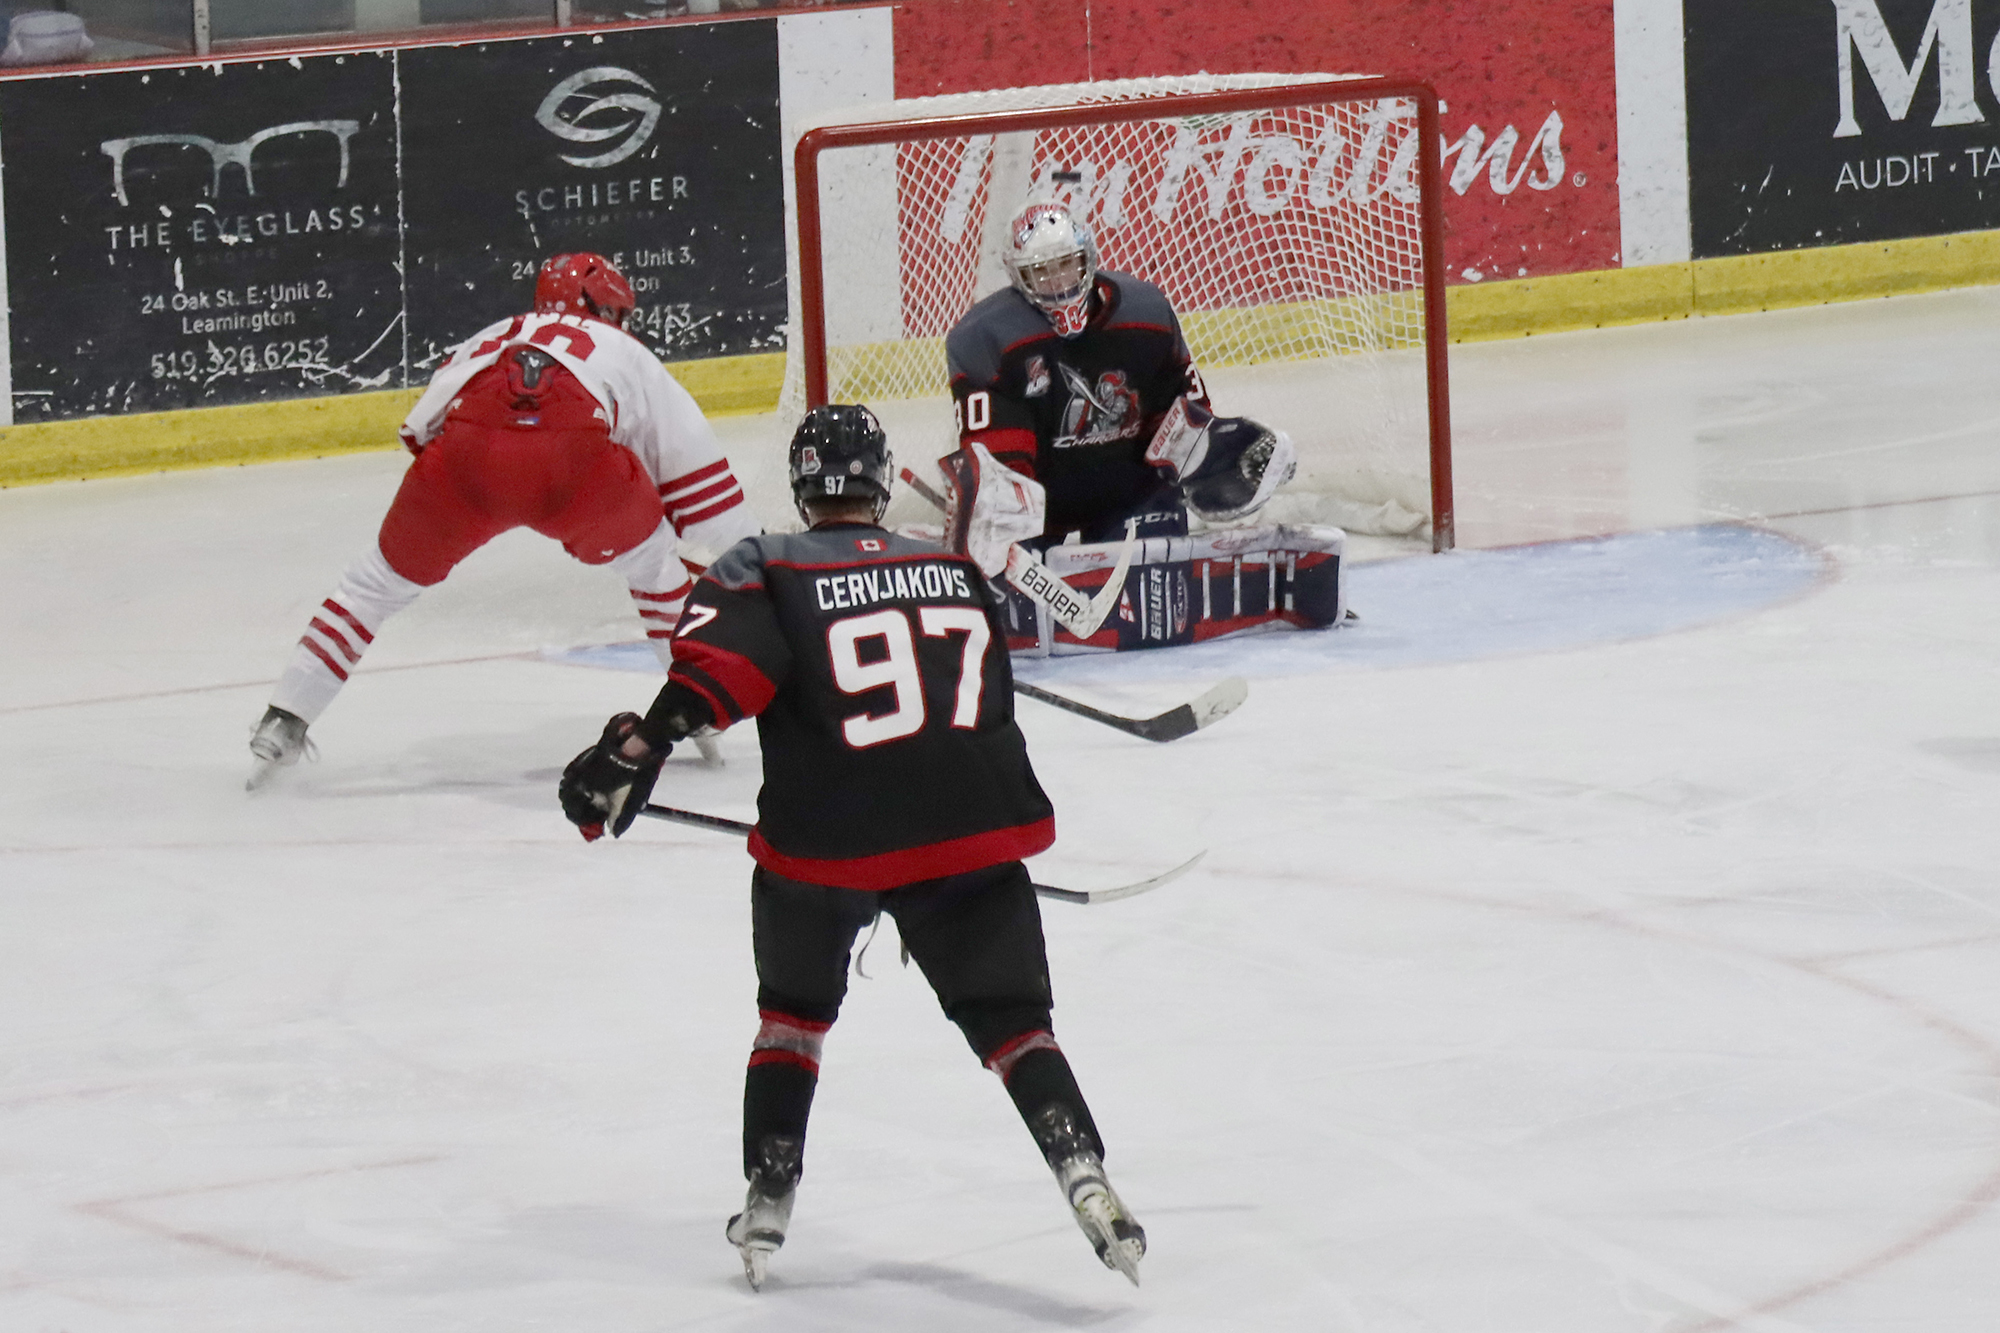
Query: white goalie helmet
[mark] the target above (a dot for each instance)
(1052, 260)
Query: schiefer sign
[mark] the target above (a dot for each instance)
(183, 237)
(1819, 122)
(659, 148)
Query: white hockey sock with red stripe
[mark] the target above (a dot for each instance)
(660, 586)
(341, 630)
(696, 497)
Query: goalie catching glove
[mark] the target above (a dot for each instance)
(989, 507)
(604, 787)
(1226, 467)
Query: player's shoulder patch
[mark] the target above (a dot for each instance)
(976, 347)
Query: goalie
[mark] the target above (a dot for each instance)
(1079, 410)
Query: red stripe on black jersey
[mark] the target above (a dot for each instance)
(733, 685)
(888, 870)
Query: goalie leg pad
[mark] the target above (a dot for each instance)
(1212, 585)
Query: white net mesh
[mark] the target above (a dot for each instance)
(1289, 240)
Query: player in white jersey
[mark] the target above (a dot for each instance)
(558, 421)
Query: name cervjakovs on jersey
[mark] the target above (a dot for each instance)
(842, 592)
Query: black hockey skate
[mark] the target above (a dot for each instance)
(279, 741)
(1119, 1240)
(759, 1229)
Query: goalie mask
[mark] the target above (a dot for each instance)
(1052, 260)
(584, 284)
(840, 450)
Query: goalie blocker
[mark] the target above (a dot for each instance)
(1192, 589)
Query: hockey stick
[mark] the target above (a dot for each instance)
(718, 824)
(1186, 719)
(1080, 615)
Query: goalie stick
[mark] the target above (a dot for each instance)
(1080, 615)
(1184, 720)
(718, 824)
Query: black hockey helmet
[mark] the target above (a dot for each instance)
(841, 450)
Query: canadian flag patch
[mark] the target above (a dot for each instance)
(868, 544)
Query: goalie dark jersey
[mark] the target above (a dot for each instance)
(1076, 413)
(884, 704)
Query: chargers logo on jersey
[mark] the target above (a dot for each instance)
(1101, 414)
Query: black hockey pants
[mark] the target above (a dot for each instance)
(978, 939)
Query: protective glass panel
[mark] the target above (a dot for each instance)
(232, 20)
(109, 30)
(485, 11)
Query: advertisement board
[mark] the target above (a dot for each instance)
(1529, 91)
(1838, 121)
(657, 148)
(199, 235)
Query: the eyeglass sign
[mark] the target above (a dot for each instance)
(201, 235)
(186, 236)
(1841, 120)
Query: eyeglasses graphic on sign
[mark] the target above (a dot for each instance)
(568, 125)
(222, 155)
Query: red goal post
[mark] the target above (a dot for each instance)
(1295, 224)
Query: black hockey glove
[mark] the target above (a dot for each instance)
(601, 787)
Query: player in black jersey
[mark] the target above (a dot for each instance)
(895, 780)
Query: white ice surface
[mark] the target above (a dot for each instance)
(1632, 967)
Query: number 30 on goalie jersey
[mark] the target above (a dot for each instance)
(884, 700)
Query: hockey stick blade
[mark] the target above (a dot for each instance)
(717, 824)
(1210, 706)
(1112, 895)
(1080, 615)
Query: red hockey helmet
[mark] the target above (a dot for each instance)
(584, 284)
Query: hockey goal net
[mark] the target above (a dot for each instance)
(1292, 220)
